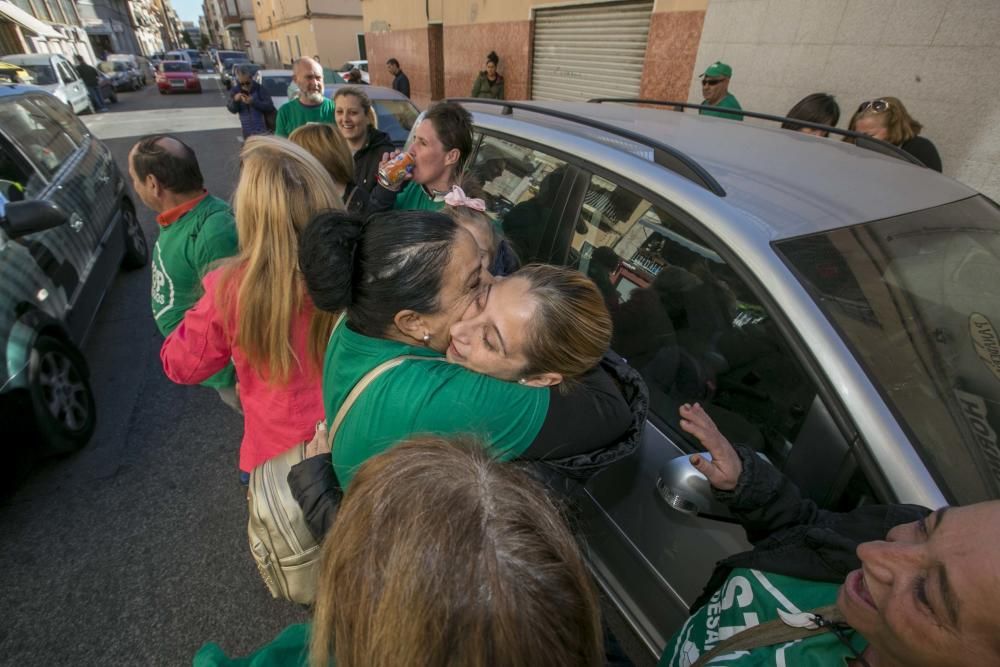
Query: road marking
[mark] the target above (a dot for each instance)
(153, 121)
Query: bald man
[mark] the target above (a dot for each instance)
(196, 230)
(310, 106)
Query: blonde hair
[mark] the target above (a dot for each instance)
(281, 188)
(899, 125)
(571, 326)
(442, 555)
(324, 142)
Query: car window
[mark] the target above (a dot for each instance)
(917, 299)
(43, 75)
(16, 179)
(44, 142)
(175, 66)
(521, 186)
(395, 118)
(62, 117)
(696, 332)
(276, 86)
(67, 72)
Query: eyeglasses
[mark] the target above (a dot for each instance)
(876, 106)
(711, 82)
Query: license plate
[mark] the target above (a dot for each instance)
(177, 84)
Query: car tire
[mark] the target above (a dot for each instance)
(61, 398)
(114, 97)
(90, 107)
(136, 247)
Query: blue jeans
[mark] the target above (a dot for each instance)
(96, 98)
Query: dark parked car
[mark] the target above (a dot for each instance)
(107, 87)
(229, 76)
(66, 225)
(122, 74)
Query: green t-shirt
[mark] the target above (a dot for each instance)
(184, 252)
(294, 114)
(288, 649)
(749, 598)
(420, 397)
(728, 102)
(413, 197)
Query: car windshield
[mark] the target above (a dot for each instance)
(917, 298)
(395, 118)
(277, 86)
(43, 75)
(176, 66)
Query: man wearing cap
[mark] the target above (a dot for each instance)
(715, 88)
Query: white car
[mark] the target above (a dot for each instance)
(57, 75)
(277, 83)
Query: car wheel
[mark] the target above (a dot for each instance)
(136, 248)
(113, 97)
(90, 106)
(61, 398)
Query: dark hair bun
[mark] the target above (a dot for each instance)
(492, 57)
(327, 252)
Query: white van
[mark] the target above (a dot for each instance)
(56, 74)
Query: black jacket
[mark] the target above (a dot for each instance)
(791, 535)
(401, 83)
(315, 487)
(924, 150)
(368, 157)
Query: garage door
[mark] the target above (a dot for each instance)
(589, 51)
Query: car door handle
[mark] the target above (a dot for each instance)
(76, 222)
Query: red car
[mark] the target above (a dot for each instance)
(176, 76)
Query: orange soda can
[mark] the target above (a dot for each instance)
(395, 170)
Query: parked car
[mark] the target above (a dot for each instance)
(395, 114)
(107, 87)
(66, 225)
(57, 75)
(224, 60)
(176, 76)
(122, 74)
(228, 78)
(833, 307)
(276, 82)
(346, 68)
(138, 63)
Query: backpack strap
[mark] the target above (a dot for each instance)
(787, 628)
(363, 384)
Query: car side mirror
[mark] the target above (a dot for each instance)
(686, 490)
(30, 216)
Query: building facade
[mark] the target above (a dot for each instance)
(148, 26)
(109, 25)
(34, 26)
(929, 53)
(291, 29)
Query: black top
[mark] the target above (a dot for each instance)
(89, 74)
(368, 157)
(401, 83)
(923, 150)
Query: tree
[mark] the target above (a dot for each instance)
(187, 39)
(204, 42)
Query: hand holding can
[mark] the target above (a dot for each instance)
(392, 173)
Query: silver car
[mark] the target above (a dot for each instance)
(56, 74)
(833, 307)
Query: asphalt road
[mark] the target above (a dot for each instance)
(134, 551)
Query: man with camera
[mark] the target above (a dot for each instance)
(253, 104)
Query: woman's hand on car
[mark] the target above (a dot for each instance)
(723, 471)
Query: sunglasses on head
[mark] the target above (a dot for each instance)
(711, 82)
(877, 106)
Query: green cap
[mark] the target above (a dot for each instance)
(719, 68)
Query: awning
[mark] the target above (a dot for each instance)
(26, 20)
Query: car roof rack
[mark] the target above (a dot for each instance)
(663, 155)
(862, 140)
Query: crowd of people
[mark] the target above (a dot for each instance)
(883, 118)
(449, 548)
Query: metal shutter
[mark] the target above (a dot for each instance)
(589, 51)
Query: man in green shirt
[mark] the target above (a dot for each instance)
(715, 88)
(196, 230)
(310, 106)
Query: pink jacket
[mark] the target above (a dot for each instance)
(274, 417)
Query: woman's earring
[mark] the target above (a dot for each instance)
(427, 338)
(522, 381)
